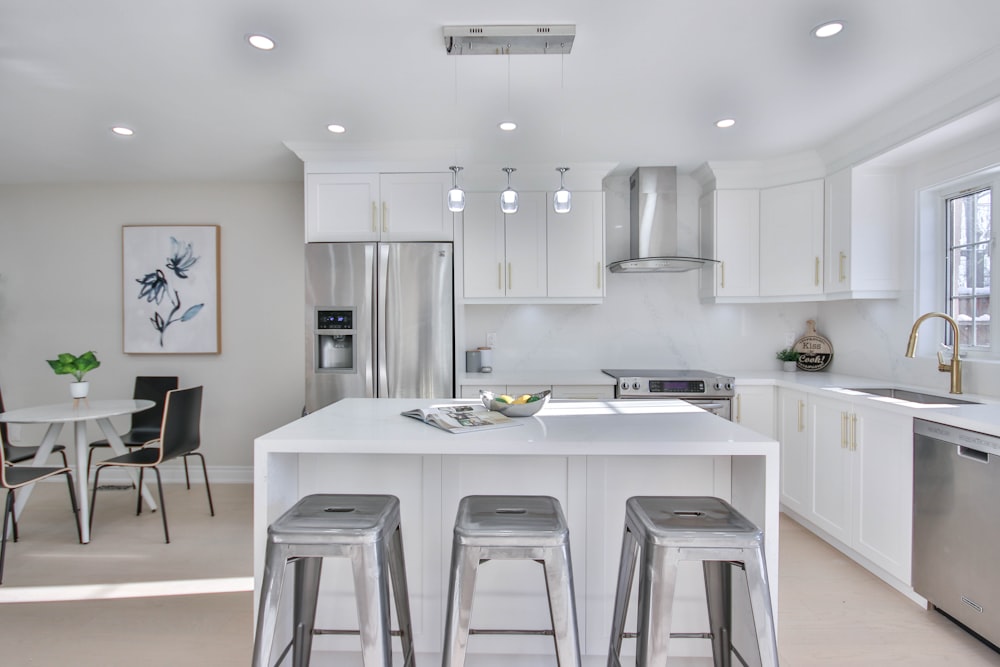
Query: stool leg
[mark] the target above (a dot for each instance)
(270, 596)
(464, 563)
(626, 571)
(307, 573)
(562, 605)
(719, 594)
(760, 604)
(657, 581)
(371, 589)
(397, 570)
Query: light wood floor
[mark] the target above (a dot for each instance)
(831, 612)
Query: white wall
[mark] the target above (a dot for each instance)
(61, 291)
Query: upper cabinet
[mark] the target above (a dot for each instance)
(729, 222)
(534, 255)
(791, 240)
(378, 207)
(861, 258)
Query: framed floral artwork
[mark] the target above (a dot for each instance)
(170, 289)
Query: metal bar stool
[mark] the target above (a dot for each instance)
(511, 527)
(667, 530)
(364, 528)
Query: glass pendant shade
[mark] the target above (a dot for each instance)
(508, 198)
(562, 199)
(456, 196)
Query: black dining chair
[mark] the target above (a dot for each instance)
(145, 425)
(14, 477)
(179, 437)
(20, 453)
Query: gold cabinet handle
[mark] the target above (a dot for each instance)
(722, 275)
(843, 257)
(385, 217)
(374, 217)
(510, 275)
(843, 430)
(499, 275)
(802, 408)
(817, 272)
(600, 273)
(739, 408)
(854, 432)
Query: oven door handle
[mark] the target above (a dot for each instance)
(707, 405)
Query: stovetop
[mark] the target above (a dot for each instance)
(681, 383)
(647, 373)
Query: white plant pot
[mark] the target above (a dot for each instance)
(789, 366)
(79, 389)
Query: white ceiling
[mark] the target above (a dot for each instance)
(644, 83)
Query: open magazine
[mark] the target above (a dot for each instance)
(461, 418)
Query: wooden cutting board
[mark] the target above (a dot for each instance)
(815, 351)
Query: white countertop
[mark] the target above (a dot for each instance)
(600, 428)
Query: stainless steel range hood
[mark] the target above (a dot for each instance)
(653, 225)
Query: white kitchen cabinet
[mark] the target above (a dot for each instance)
(378, 207)
(861, 255)
(791, 240)
(753, 407)
(587, 392)
(504, 253)
(729, 222)
(796, 457)
(562, 391)
(833, 429)
(575, 247)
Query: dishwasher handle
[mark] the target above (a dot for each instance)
(973, 454)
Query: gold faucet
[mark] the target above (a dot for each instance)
(955, 367)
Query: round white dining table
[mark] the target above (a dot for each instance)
(78, 413)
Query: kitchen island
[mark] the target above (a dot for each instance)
(590, 455)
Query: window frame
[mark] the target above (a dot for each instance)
(970, 188)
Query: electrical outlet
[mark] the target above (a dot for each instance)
(491, 339)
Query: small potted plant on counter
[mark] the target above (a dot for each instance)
(69, 364)
(788, 357)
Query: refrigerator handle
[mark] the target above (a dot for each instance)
(381, 318)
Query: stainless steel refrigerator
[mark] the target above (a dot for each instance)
(379, 321)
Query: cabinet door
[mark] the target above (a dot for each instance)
(575, 247)
(590, 392)
(791, 239)
(831, 429)
(342, 207)
(414, 207)
(793, 433)
(483, 246)
(729, 222)
(755, 409)
(524, 240)
(884, 490)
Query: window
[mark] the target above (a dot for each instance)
(968, 216)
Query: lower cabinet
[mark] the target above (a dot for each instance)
(753, 407)
(848, 471)
(570, 391)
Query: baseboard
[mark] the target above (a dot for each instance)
(173, 473)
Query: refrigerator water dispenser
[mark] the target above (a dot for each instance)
(335, 340)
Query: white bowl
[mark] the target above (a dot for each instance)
(514, 409)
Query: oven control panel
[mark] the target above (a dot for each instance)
(646, 387)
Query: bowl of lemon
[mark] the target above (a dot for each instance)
(524, 405)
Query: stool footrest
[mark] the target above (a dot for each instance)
(499, 631)
(676, 635)
(321, 631)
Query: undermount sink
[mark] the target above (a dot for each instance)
(913, 396)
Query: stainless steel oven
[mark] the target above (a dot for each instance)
(709, 391)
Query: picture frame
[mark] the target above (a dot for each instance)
(170, 289)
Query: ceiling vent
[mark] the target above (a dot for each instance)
(502, 40)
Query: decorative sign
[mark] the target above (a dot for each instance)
(815, 351)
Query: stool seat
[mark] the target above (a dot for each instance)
(511, 527)
(661, 531)
(363, 528)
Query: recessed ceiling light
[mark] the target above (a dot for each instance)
(828, 29)
(262, 42)
(508, 126)
(123, 131)
(725, 122)
(336, 129)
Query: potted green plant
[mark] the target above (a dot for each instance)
(788, 356)
(78, 367)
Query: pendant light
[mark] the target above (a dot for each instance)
(508, 198)
(456, 196)
(561, 198)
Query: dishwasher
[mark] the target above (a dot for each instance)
(956, 524)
